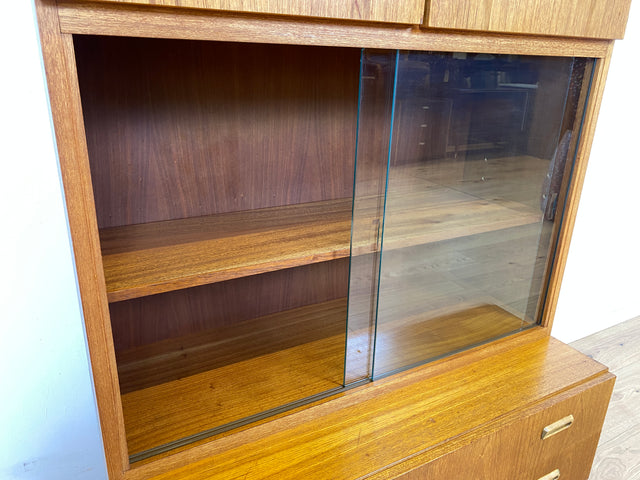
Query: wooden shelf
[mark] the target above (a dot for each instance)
(186, 355)
(157, 257)
(250, 368)
(391, 427)
(403, 342)
(433, 201)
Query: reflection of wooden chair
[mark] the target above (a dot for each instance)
(553, 180)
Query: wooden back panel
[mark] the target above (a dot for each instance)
(146, 320)
(178, 129)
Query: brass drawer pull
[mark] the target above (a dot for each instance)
(555, 475)
(557, 427)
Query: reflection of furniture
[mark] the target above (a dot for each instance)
(479, 127)
(426, 125)
(464, 120)
(487, 406)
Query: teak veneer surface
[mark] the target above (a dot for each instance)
(515, 450)
(569, 18)
(402, 342)
(158, 257)
(159, 22)
(249, 368)
(537, 373)
(392, 11)
(150, 319)
(185, 355)
(378, 425)
(66, 112)
(170, 411)
(178, 129)
(619, 347)
(161, 256)
(583, 149)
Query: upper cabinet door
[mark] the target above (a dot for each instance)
(392, 11)
(570, 18)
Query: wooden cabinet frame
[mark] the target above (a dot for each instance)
(58, 21)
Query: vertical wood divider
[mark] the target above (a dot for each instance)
(66, 110)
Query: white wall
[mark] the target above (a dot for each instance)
(48, 423)
(601, 286)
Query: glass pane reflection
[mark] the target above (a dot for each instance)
(478, 154)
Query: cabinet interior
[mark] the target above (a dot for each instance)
(280, 222)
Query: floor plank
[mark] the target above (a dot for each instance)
(618, 454)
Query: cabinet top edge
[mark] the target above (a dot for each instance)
(119, 19)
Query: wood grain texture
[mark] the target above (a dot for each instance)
(199, 449)
(186, 355)
(60, 68)
(376, 103)
(248, 369)
(494, 268)
(111, 19)
(422, 210)
(159, 257)
(568, 18)
(390, 11)
(618, 455)
(403, 342)
(374, 425)
(258, 344)
(184, 23)
(517, 451)
(623, 421)
(150, 319)
(184, 129)
(617, 346)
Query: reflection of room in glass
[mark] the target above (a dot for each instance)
(478, 156)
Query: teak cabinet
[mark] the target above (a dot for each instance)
(326, 239)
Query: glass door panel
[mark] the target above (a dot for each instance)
(478, 160)
(375, 109)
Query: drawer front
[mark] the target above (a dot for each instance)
(391, 11)
(517, 450)
(570, 18)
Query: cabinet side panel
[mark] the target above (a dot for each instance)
(67, 117)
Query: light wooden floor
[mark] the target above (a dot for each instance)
(618, 347)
